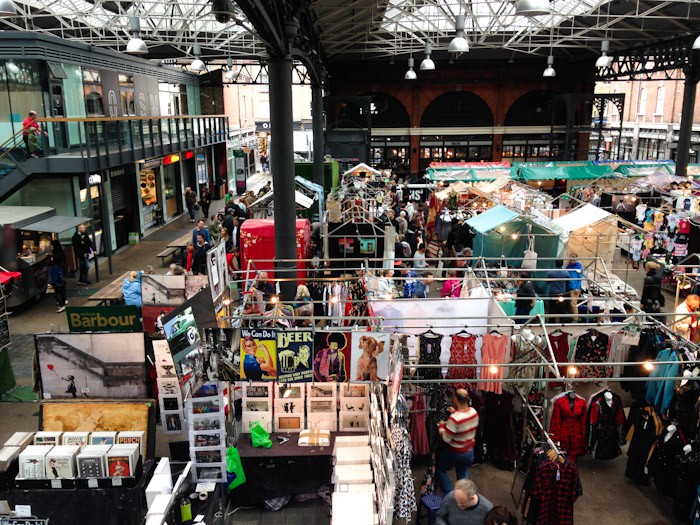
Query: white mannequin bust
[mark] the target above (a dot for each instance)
(608, 398)
(670, 431)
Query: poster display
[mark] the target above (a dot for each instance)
(295, 356)
(258, 354)
(110, 365)
(370, 356)
(217, 271)
(331, 356)
(161, 294)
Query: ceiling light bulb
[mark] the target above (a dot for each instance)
(459, 44)
(550, 72)
(136, 46)
(533, 7)
(427, 64)
(197, 63)
(572, 371)
(696, 44)
(410, 74)
(230, 74)
(7, 8)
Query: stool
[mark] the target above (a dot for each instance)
(432, 503)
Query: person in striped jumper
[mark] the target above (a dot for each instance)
(458, 433)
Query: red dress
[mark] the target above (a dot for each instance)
(568, 427)
(462, 352)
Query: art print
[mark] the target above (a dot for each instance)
(288, 423)
(208, 439)
(258, 354)
(173, 422)
(109, 365)
(295, 355)
(256, 406)
(331, 356)
(208, 456)
(168, 387)
(163, 289)
(321, 390)
(170, 403)
(370, 356)
(206, 423)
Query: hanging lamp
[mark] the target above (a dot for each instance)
(197, 64)
(550, 71)
(427, 64)
(410, 74)
(136, 45)
(533, 7)
(459, 44)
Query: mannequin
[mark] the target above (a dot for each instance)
(608, 399)
(670, 430)
(687, 449)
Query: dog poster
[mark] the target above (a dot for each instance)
(295, 356)
(258, 354)
(370, 356)
(331, 356)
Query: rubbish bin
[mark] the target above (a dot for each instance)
(134, 237)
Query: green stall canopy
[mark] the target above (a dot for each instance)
(549, 172)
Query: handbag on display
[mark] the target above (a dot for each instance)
(530, 256)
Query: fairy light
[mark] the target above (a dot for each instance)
(648, 366)
(572, 371)
(274, 299)
(493, 369)
(514, 236)
(226, 302)
(334, 299)
(502, 229)
(561, 299)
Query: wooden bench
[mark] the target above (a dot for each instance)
(173, 250)
(110, 294)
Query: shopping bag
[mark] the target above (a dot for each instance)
(259, 436)
(530, 256)
(234, 469)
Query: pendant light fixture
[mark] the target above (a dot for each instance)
(230, 73)
(7, 8)
(550, 72)
(696, 44)
(459, 44)
(136, 45)
(410, 74)
(427, 64)
(604, 60)
(197, 64)
(532, 7)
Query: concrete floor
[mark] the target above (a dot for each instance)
(608, 497)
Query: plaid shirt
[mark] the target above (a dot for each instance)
(554, 490)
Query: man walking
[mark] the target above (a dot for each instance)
(200, 229)
(575, 269)
(463, 506)
(558, 280)
(205, 201)
(422, 288)
(458, 433)
(83, 248)
(190, 201)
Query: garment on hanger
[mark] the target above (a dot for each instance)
(419, 434)
(660, 393)
(688, 472)
(663, 462)
(462, 352)
(429, 354)
(651, 341)
(499, 429)
(592, 347)
(645, 428)
(606, 420)
(684, 409)
(568, 424)
(405, 495)
(493, 352)
(551, 488)
(560, 346)
(641, 210)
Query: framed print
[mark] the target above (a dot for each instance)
(323, 389)
(206, 422)
(255, 405)
(173, 423)
(207, 438)
(354, 391)
(206, 405)
(315, 405)
(287, 392)
(168, 386)
(257, 390)
(210, 472)
(370, 356)
(289, 423)
(207, 455)
(170, 403)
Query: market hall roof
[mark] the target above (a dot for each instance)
(359, 30)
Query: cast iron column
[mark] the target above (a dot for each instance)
(317, 126)
(282, 169)
(690, 88)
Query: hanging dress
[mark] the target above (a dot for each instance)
(462, 352)
(560, 347)
(493, 352)
(419, 434)
(430, 347)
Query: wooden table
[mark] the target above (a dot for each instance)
(110, 294)
(181, 242)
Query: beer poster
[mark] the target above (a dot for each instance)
(295, 356)
(259, 354)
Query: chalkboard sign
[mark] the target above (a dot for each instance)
(7, 520)
(4, 332)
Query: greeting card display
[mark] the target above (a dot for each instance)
(32, 461)
(258, 354)
(47, 438)
(295, 355)
(92, 461)
(60, 461)
(75, 438)
(370, 356)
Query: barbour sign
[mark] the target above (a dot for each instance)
(104, 319)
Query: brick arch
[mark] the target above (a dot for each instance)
(534, 108)
(457, 109)
(390, 111)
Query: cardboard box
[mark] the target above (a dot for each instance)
(60, 461)
(47, 438)
(81, 439)
(159, 484)
(32, 461)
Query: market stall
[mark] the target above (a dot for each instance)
(589, 232)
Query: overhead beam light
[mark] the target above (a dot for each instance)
(459, 44)
(604, 60)
(230, 73)
(550, 72)
(427, 64)
(197, 63)
(533, 7)
(410, 74)
(136, 45)
(7, 8)
(696, 44)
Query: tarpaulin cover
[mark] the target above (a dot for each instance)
(492, 218)
(581, 217)
(564, 172)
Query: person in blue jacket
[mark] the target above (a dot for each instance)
(575, 269)
(131, 288)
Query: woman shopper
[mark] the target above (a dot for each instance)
(652, 298)
(58, 283)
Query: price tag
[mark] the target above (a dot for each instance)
(116, 482)
(92, 483)
(56, 484)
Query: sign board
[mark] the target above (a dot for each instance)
(104, 319)
(7, 520)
